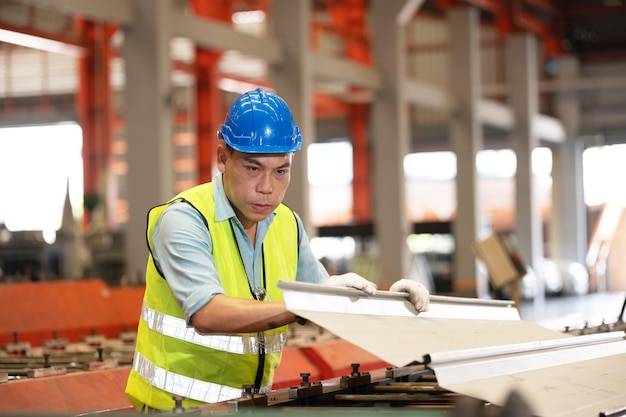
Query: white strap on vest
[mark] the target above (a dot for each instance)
(177, 328)
(185, 386)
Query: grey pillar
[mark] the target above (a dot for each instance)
(290, 22)
(147, 113)
(521, 71)
(568, 225)
(466, 139)
(390, 142)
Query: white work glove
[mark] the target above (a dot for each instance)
(418, 294)
(351, 280)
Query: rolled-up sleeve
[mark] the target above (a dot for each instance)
(310, 269)
(182, 249)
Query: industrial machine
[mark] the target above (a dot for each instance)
(358, 354)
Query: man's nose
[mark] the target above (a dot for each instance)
(265, 184)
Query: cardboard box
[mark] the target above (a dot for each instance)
(500, 255)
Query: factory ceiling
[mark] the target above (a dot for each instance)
(592, 30)
(596, 29)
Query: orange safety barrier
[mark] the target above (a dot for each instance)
(72, 310)
(126, 302)
(76, 393)
(294, 363)
(323, 361)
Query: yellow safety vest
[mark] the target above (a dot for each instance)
(171, 358)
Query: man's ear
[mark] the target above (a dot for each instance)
(222, 156)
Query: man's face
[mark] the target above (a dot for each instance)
(255, 184)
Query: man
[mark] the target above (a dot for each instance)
(213, 318)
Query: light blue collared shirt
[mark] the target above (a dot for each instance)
(183, 251)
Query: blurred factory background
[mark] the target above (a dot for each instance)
(98, 126)
(428, 126)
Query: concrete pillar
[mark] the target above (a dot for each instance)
(521, 71)
(390, 142)
(568, 225)
(148, 117)
(292, 78)
(466, 138)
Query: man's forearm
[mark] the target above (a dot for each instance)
(224, 314)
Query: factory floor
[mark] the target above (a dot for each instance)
(574, 311)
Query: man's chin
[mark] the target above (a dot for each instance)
(258, 216)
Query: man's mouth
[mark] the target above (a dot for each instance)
(259, 206)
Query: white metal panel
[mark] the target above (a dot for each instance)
(387, 326)
(461, 366)
(315, 297)
(582, 389)
(476, 348)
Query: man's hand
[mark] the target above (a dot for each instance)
(352, 280)
(418, 294)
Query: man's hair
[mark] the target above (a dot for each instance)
(229, 148)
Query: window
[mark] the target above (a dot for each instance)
(38, 165)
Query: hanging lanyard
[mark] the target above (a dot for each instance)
(258, 293)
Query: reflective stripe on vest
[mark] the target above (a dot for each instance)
(242, 344)
(185, 386)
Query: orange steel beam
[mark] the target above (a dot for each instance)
(208, 104)
(208, 111)
(361, 188)
(348, 19)
(95, 115)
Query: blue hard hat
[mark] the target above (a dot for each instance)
(260, 121)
